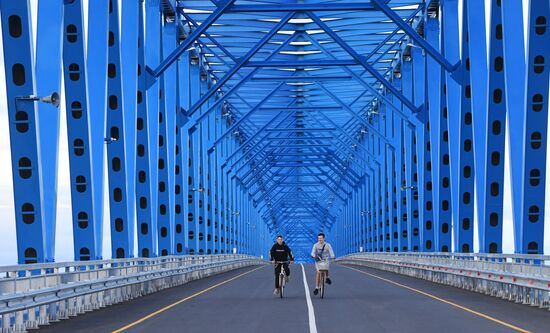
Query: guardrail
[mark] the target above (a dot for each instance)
(37, 294)
(516, 277)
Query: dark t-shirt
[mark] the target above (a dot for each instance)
(281, 252)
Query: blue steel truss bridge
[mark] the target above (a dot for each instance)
(408, 132)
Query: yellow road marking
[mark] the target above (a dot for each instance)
(139, 321)
(445, 301)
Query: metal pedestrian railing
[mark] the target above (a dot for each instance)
(38, 294)
(521, 278)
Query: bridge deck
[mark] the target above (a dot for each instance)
(360, 300)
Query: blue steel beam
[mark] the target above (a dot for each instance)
(515, 69)
(121, 227)
(98, 36)
(48, 80)
(391, 14)
(228, 93)
(452, 120)
(463, 161)
(146, 224)
(302, 7)
(530, 234)
(78, 132)
(172, 57)
(24, 134)
(165, 228)
(360, 59)
(492, 168)
(239, 64)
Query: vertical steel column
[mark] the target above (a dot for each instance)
(170, 42)
(239, 218)
(357, 219)
(448, 97)
(193, 178)
(200, 172)
(224, 200)
(415, 224)
(490, 225)
(164, 213)
(219, 155)
(147, 241)
(423, 148)
(98, 37)
(514, 71)
(233, 211)
(48, 80)
(386, 181)
(531, 236)
(399, 168)
(389, 172)
(347, 226)
(382, 190)
(372, 213)
(474, 25)
(209, 177)
(152, 59)
(129, 17)
(411, 89)
(434, 92)
(121, 237)
(24, 131)
(379, 204)
(408, 185)
(454, 116)
(78, 133)
(362, 209)
(463, 221)
(184, 82)
(180, 144)
(193, 233)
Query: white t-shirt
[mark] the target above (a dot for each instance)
(323, 254)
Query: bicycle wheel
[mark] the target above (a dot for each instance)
(281, 284)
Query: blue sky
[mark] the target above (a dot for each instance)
(64, 241)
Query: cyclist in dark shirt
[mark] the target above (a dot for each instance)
(280, 252)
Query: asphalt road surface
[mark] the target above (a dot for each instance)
(359, 300)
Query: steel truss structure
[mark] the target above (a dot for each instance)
(219, 124)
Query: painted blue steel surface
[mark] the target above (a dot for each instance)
(122, 239)
(226, 123)
(145, 222)
(463, 221)
(48, 81)
(163, 186)
(78, 133)
(530, 239)
(24, 132)
(96, 63)
(490, 225)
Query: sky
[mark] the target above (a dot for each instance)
(64, 242)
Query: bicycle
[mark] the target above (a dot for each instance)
(282, 276)
(323, 271)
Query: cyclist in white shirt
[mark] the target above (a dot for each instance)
(321, 252)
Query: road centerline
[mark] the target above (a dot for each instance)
(310, 310)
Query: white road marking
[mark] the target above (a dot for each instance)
(310, 312)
